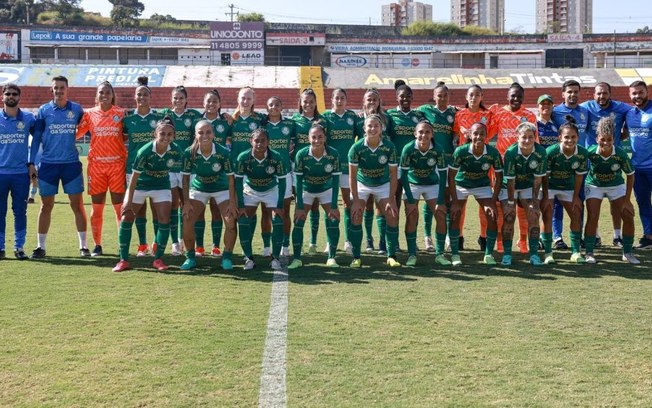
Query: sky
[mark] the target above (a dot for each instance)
(608, 15)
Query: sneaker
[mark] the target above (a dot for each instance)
(143, 250)
(159, 265)
(441, 260)
(629, 257)
(200, 251)
(456, 260)
(97, 251)
(618, 242)
(285, 251)
(382, 247)
(370, 245)
(121, 266)
(30, 200)
(461, 244)
(227, 264)
(428, 244)
(348, 248)
(535, 260)
(312, 249)
(412, 261)
(482, 241)
(549, 259)
(590, 259)
(18, 253)
(507, 260)
(296, 264)
(176, 249)
(598, 242)
(267, 251)
(393, 263)
(38, 253)
(447, 244)
(216, 252)
(84, 252)
(188, 264)
(249, 264)
(522, 247)
(276, 265)
(331, 262)
(489, 260)
(577, 258)
(356, 263)
(560, 244)
(644, 243)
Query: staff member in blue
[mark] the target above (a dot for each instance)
(639, 123)
(58, 121)
(15, 169)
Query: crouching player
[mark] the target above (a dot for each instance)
(317, 168)
(150, 178)
(606, 165)
(423, 173)
(211, 165)
(526, 164)
(567, 165)
(469, 175)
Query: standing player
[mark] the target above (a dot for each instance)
(60, 163)
(605, 180)
(106, 158)
(372, 173)
(211, 165)
(318, 171)
(150, 178)
(16, 169)
(423, 173)
(639, 123)
(260, 179)
(525, 166)
(442, 117)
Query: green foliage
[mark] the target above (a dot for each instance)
(477, 30)
(125, 13)
(160, 18)
(430, 29)
(250, 17)
(84, 19)
(644, 30)
(171, 25)
(12, 11)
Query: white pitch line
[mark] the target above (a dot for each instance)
(272, 380)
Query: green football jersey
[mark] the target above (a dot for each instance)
(423, 168)
(281, 137)
(211, 173)
(402, 124)
(302, 127)
(608, 172)
(184, 126)
(317, 173)
(524, 169)
(260, 175)
(373, 164)
(241, 132)
(154, 168)
(139, 131)
(221, 129)
(442, 122)
(562, 169)
(342, 134)
(472, 171)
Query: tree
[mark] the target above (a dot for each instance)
(430, 29)
(477, 30)
(159, 19)
(644, 30)
(125, 13)
(68, 11)
(250, 17)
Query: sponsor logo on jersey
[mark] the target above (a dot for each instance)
(382, 159)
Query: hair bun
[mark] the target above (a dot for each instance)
(570, 119)
(142, 80)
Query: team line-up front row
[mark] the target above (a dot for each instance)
(234, 163)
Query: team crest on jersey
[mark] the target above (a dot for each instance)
(415, 119)
(328, 168)
(575, 165)
(20, 125)
(382, 159)
(349, 121)
(152, 123)
(431, 162)
(483, 120)
(615, 167)
(220, 128)
(217, 167)
(285, 130)
(533, 164)
(450, 118)
(70, 115)
(170, 163)
(269, 169)
(582, 116)
(253, 126)
(523, 119)
(116, 118)
(485, 166)
(187, 122)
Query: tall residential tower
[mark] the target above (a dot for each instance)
(564, 16)
(483, 13)
(406, 12)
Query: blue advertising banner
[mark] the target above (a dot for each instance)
(81, 75)
(69, 36)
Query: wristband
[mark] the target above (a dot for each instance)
(510, 202)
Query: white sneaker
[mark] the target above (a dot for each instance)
(427, 241)
(276, 265)
(629, 257)
(249, 264)
(285, 251)
(447, 243)
(327, 248)
(348, 247)
(590, 259)
(267, 251)
(176, 249)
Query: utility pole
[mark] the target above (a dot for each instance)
(237, 13)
